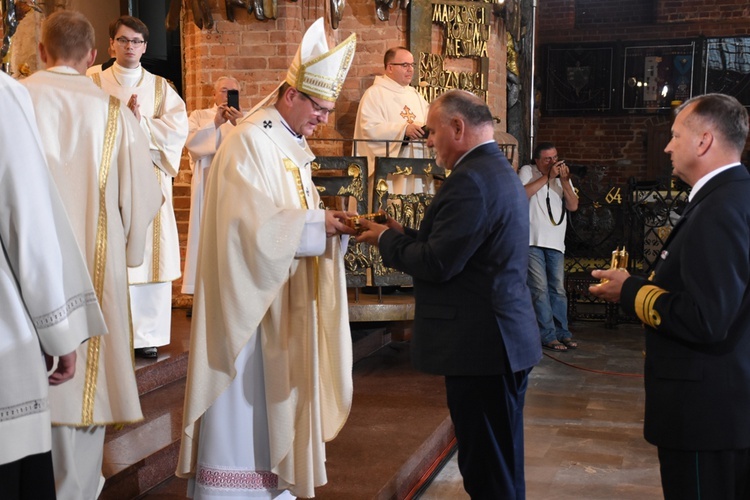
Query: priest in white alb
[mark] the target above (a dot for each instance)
(207, 128)
(161, 113)
(270, 368)
(48, 302)
(99, 160)
(392, 110)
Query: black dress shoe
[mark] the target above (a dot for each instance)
(146, 352)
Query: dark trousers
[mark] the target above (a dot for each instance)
(487, 414)
(705, 475)
(30, 478)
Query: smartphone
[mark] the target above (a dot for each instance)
(233, 98)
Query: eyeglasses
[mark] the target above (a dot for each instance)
(550, 158)
(405, 65)
(317, 108)
(123, 42)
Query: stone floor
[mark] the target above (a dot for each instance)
(583, 422)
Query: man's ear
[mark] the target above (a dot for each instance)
(42, 53)
(91, 58)
(705, 143)
(457, 125)
(289, 95)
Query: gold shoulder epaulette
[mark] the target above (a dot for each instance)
(644, 305)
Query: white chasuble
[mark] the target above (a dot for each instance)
(386, 108)
(164, 121)
(249, 283)
(48, 300)
(100, 166)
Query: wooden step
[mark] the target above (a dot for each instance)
(142, 455)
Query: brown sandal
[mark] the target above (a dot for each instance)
(555, 345)
(570, 343)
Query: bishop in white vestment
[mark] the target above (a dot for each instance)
(269, 377)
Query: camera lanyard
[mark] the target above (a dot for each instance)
(549, 207)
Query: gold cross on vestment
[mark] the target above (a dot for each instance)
(406, 113)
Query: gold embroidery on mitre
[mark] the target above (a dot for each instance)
(100, 260)
(317, 71)
(645, 300)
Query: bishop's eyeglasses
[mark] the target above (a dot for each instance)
(317, 108)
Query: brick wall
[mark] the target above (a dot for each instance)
(620, 141)
(593, 13)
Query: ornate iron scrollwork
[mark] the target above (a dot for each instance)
(338, 179)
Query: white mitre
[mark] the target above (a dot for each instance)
(317, 71)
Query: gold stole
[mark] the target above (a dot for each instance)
(158, 110)
(156, 229)
(100, 260)
(291, 167)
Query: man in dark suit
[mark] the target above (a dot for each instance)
(474, 322)
(696, 309)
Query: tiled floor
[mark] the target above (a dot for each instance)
(583, 424)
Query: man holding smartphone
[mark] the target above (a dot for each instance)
(207, 128)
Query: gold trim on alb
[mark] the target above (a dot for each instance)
(100, 260)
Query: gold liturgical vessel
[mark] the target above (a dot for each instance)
(353, 222)
(619, 260)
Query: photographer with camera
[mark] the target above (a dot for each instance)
(551, 196)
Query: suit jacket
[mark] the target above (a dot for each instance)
(697, 311)
(469, 261)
